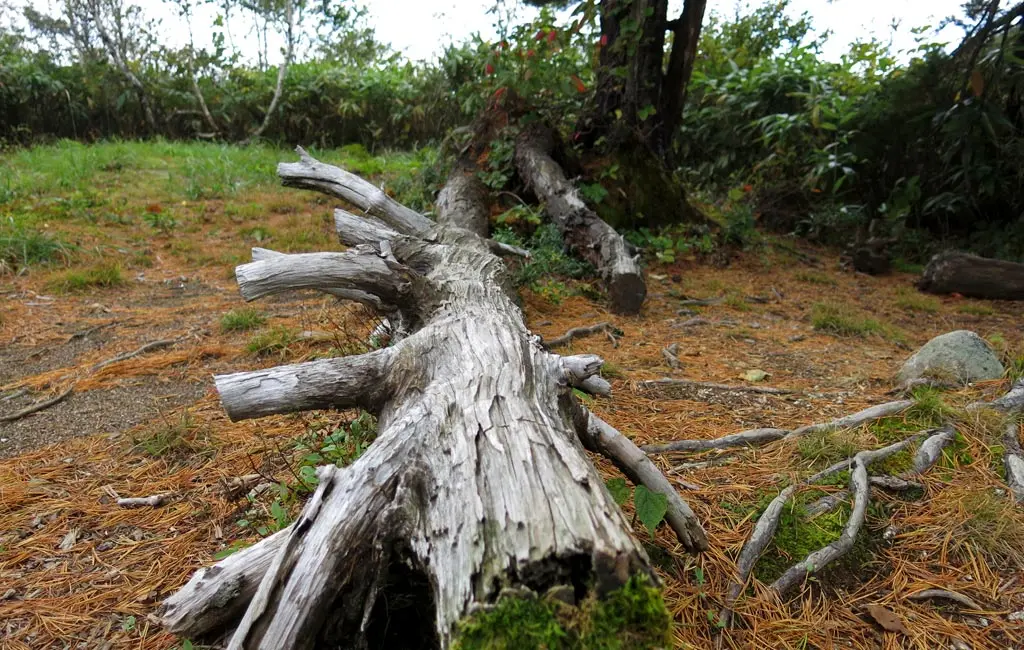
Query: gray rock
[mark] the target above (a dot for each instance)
(961, 356)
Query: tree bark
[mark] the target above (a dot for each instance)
(282, 70)
(476, 482)
(973, 276)
(584, 232)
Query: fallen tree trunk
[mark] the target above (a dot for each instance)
(477, 482)
(973, 276)
(586, 234)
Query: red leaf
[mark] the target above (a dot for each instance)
(529, 54)
(552, 35)
(604, 40)
(540, 35)
(579, 84)
(489, 69)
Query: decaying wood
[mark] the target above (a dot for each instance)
(599, 436)
(749, 438)
(584, 232)
(947, 595)
(476, 483)
(577, 333)
(973, 276)
(673, 388)
(154, 501)
(669, 354)
(1013, 460)
(39, 406)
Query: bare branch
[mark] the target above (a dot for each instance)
(743, 439)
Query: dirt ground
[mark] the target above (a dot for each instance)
(77, 571)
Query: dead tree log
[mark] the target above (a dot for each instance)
(973, 276)
(477, 482)
(585, 233)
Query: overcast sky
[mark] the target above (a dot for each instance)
(421, 28)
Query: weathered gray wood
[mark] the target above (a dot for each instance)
(259, 254)
(857, 419)
(462, 203)
(750, 438)
(599, 436)
(341, 383)
(363, 269)
(311, 174)
(584, 232)
(1013, 400)
(476, 481)
(1013, 459)
(973, 276)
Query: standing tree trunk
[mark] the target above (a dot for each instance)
(477, 483)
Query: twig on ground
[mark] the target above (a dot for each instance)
(744, 438)
(948, 595)
(15, 395)
(700, 303)
(666, 384)
(576, 333)
(86, 332)
(669, 354)
(149, 347)
(154, 501)
(35, 408)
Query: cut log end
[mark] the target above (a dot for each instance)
(626, 293)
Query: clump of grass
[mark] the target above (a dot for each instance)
(173, 438)
(105, 275)
(737, 302)
(276, 339)
(841, 320)
(975, 309)
(913, 301)
(241, 320)
(21, 247)
(814, 277)
(825, 448)
(992, 526)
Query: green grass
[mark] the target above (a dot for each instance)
(241, 320)
(104, 275)
(917, 302)
(825, 448)
(842, 320)
(814, 277)
(273, 340)
(975, 309)
(177, 437)
(22, 246)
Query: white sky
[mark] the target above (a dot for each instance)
(421, 28)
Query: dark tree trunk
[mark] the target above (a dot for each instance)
(973, 276)
(638, 106)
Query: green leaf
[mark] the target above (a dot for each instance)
(618, 489)
(650, 507)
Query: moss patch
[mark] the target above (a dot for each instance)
(631, 618)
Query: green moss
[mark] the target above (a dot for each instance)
(631, 618)
(825, 448)
(895, 464)
(929, 411)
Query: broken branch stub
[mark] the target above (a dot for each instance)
(475, 483)
(583, 231)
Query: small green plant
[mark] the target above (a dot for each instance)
(340, 446)
(916, 302)
(103, 275)
(173, 438)
(160, 221)
(650, 507)
(128, 624)
(241, 320)
(276, 339)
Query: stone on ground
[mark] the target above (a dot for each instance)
(960, 356)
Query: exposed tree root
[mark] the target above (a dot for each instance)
(154, 501)
(749, 438)
(578, 333)
(601, 437)
(35, 408)
(946, 595)
(149, 347)
(671, 387)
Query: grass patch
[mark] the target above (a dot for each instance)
(174, 438)
(976, 309)
(21, 247)
(842, 320)
(993, 527)
(276, 339)
(825, 448)
(917, 302)
(814, 277)
(737, 302)
(105, 275)
(241, 320)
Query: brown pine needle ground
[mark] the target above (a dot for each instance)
(76, 570)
